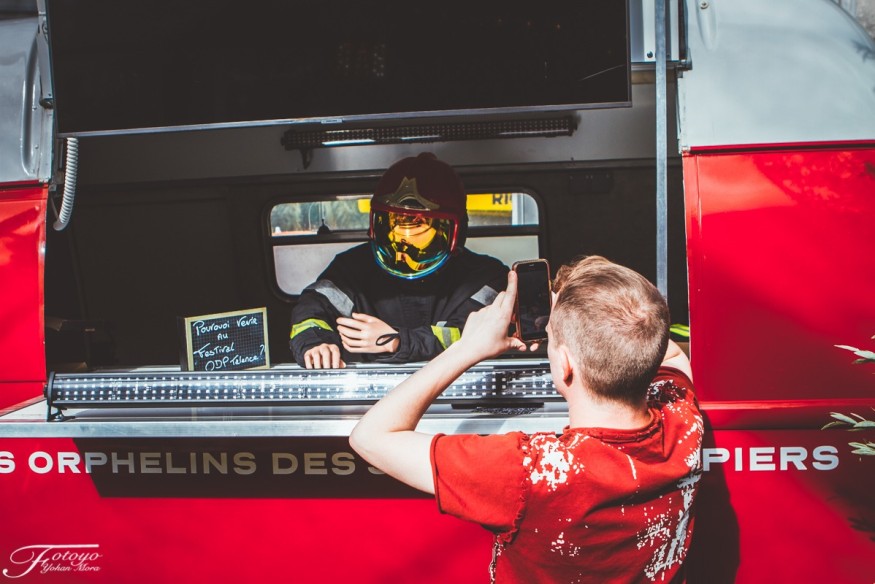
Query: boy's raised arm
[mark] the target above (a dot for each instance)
(675, 357)
(386, 436)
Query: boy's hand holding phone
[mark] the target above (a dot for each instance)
(485, 333)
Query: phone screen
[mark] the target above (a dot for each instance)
(533, 299)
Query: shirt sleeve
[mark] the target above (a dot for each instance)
(670, 385)
(307, 339)
(314, 317)
(480, 478)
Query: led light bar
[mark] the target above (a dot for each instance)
(500, 384)
(307, 137)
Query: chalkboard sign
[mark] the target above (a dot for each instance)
(225, 341)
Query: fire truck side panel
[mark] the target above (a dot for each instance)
(22, 251)
(782, 506)
(780, 271)
(308, 509)
(770, 211)
(25, 123)
(177, 520)
(777, 72)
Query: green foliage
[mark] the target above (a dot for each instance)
(865, 356)
(867, 448)
(855, 422)
(852, 422)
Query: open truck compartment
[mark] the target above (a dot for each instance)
(150, 172)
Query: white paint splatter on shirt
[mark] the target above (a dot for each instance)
(564, 548)
(554, 462)
(632, 464)
(667, 533)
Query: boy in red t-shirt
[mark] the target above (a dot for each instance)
(608, 500)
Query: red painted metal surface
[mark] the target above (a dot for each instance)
(761, 517)
(203, 537)
(781, 269)
(22, 254)
(776, 506)
(780, 266)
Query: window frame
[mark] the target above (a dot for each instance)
(361, 235)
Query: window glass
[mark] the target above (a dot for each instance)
(512, 209)
(350, 213)
(345, 213)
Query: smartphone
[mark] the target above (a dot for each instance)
(533, 300)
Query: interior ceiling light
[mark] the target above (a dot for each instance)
(320, 137)
(305, 138)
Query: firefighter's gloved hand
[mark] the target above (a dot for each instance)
(324, 356)
(362, 334)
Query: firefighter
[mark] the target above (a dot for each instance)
(405, 295)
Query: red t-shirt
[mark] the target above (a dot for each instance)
(591, 505)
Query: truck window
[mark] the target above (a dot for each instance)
(306, 235)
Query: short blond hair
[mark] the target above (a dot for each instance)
(615, 324)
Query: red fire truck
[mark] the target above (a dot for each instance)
(161, 161)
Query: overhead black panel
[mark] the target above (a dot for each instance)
(159, 63)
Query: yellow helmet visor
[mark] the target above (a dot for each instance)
(410, 245)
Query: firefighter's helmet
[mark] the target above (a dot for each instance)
(418, 217)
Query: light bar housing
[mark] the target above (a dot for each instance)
(494, 384)
(323, 135)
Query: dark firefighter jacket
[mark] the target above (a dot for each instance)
(428, 313)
